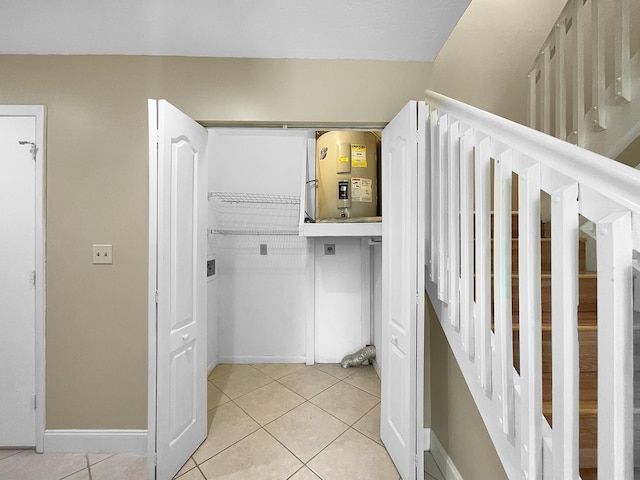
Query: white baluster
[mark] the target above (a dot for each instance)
(621, 47)
(427, 185)
(577, 136)
(546, 89)
(564, 322)
(598, 86)
(453, 144)
(532, 98)
(502, 276)
(434, 196)
(443, 216)
(561, 79)
(466, 244)
(615, 347)
(483, 262)
(530, 317)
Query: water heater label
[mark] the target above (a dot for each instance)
(361, 190)
(358, 155)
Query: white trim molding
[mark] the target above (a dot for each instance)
(442, 458)
(95, 441)
(261, 359)
(39, 113)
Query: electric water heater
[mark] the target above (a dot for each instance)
(347, 175)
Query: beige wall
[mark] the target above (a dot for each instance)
(455, 419)
(97, 191)
(486, 59)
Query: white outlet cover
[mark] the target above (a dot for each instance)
(102, 254)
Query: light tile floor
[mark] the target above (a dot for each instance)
(292, 422)
(28, 465)
(275, 421)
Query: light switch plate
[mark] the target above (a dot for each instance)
(102, 254)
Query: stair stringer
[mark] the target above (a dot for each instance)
(487, 404)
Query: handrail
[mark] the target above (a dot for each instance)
(604, 124)
(472, 157)
(599, 173)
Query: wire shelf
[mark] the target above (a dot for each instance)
(234, 197)
(252, 232)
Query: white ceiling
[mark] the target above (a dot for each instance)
(345, 29)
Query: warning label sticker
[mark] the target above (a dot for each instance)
(361, 190)
(358, 155)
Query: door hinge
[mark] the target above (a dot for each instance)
(417, 298)
(155, 459)
(157, 136)
(34, 401)
(416, 460)
(156, 296)
(33, 277)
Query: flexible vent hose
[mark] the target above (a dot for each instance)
(358, 358)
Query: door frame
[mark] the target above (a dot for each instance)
(152, 334)
(39, 112)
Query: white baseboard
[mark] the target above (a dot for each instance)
(212, 365)
(261, 359)
(95, 441)
(444, 462)
(376, 367)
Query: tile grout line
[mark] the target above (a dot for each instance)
(306, 400)
(89, 467)
(14, 453)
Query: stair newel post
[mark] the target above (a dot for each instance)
(564, 325)
(466, 242)
(453, 146)
(502, 278)
(615, 346)
(483, 263)
(443, 217)
(530, 317)
(434, 214)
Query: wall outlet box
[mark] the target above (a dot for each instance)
(102, 254)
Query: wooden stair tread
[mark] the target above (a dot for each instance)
(585, 318)
(546, 275)
(589, 473)
(547, 327)
(587, 408)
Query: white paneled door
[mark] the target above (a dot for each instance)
(402, 292)
(181, 395)
(17, 281)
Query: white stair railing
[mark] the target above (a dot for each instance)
(472, 158)
(585, 83)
